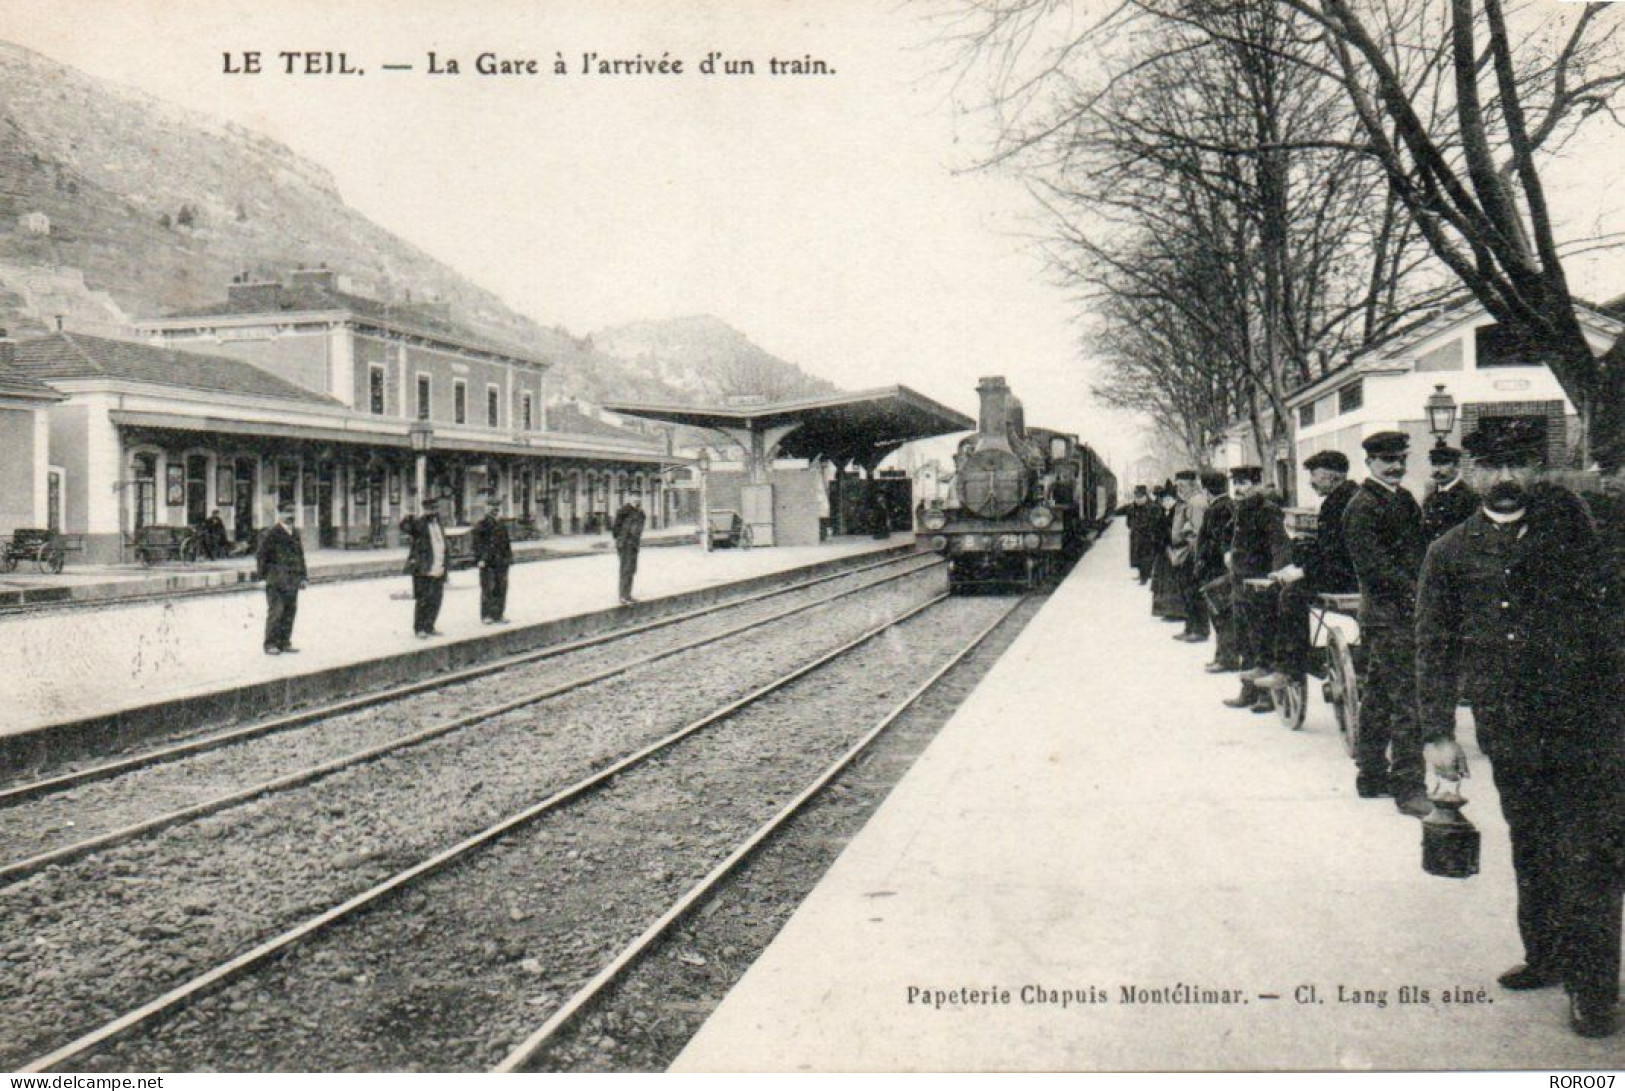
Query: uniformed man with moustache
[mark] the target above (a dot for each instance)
(1383, 531)
(1451, 499)
(1258, 547)
(1328, 568)
(1518, 605)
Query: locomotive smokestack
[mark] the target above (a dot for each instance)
(995, 413)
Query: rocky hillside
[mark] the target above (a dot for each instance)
(159, 207)
(706, 356)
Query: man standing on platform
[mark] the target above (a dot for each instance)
(280, 562)
(1212, 542)
(493, 553)
(1142, 549)
(1452, 499)
(426, 562)
(1383, 530)
(628, 532)
(1327, 569)
(1260, 546)
(1187, 528)
(1515, 603)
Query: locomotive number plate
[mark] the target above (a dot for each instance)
(1009, 541)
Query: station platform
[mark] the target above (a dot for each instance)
(81, 584)
(1096, 866)
(97, 670)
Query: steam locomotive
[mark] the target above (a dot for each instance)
(1026, 501)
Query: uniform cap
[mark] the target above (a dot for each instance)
(1444, 455)
(1513, 443)
(1385, 443)
(1254, 474)
(1212, 480)
(1327, 460)
(1185, 475)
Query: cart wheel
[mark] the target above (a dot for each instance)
(50, 560)
(188, 550)
(1345, 688)
(1290, 703)
(745, 538)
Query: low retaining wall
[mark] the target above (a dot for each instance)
(104, 735)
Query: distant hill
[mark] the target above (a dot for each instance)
(159, 207)
(707, 357)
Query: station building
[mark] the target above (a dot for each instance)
(303, 397)
(1461, 348)
(28, 486)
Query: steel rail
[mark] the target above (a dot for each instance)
(19, 869)
(106, 770)
(230, 969)
(525, 1051)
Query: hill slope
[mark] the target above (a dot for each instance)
(166, 231)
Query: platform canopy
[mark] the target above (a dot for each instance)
(861, 427)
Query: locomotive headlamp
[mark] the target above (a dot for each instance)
(940, 544)
(935, 519)
(1031, 541)
(1040, 517)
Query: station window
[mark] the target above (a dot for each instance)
(459, 401)
(1306, 415)
(375, 389)
(525, 420)
(493, 407)
(424, 389)
(1351, 397)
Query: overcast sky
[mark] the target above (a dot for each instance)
(821, 215)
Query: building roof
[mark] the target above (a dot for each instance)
(80, 356)
(858, 427)
(305, 298)
(569, 418)
(14, 384)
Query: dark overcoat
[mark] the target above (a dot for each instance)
(1214, 538)
(420, 551)
(1330, 569)
(491, 543)
(1524, 620)
(280, 559)
(1447, 508)
(1260, 544)
(1382, 529)
(628, 527)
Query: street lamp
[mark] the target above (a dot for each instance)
(421, 434)
(1441, 409)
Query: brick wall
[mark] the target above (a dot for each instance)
(1557, 437)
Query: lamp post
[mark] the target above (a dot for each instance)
(1441, 409)
(421, 433)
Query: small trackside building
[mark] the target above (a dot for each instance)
(1461, 348)
(30, 492)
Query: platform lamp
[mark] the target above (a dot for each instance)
(1441, 409)
(421, 434)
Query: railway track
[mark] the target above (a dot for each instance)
(748, 762)
(116, 832)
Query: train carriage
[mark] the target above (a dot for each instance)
(1026, 501)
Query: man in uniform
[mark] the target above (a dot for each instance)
(1515, 604)
(493, 553)
(426, 563)
(1383, 531)
(628, 532)
(1142, 551)
(280, 562)
(1452, 499)
(1327, 569)
(1212, 542)
(1259, 546)
(1188, 518)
